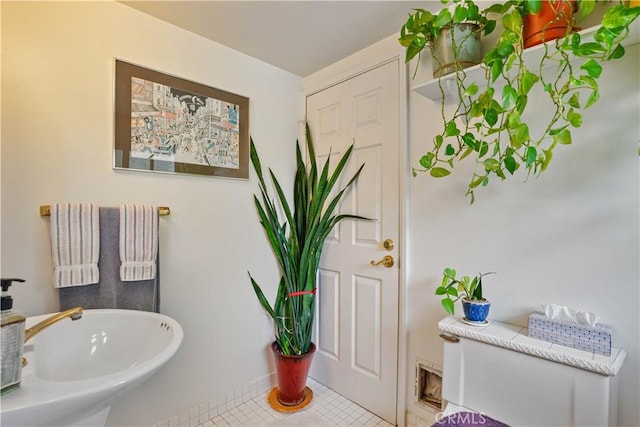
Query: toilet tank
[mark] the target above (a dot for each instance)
(499, 371)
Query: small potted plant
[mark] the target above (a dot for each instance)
(453, 36)
(469, 289)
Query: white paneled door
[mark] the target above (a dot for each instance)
(357, 319)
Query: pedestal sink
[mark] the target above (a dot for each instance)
(76, 369)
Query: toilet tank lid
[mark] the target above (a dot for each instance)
(515, 338)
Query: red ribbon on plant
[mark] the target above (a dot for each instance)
(297, 294)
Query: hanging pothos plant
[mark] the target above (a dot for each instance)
(489, 121)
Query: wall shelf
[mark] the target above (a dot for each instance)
(532, 55)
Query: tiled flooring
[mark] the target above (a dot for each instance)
(327, 408)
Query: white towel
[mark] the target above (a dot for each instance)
(75, 244)
(138, 242)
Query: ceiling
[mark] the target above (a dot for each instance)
(301, 37)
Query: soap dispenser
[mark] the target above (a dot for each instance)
(12, 339)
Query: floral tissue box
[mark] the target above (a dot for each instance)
(595, 339)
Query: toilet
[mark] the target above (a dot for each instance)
(499, 373)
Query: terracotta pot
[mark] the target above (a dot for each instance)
(549, 23)
(291, 373)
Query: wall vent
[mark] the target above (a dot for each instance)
(428, 385)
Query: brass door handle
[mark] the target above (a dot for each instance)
(387, 261)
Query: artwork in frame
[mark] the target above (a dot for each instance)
(168, 124)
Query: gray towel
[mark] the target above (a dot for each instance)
(111, 292)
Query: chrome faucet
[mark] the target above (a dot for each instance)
(73, 313)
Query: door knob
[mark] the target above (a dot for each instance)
(387, 261)
(388, 244)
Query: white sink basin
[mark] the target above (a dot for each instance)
(77, 369)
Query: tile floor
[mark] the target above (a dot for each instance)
(327, 405)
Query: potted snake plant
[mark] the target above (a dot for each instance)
(296, 232)
(488, 121)
(469, 290)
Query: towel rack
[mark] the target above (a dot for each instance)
(45, 210)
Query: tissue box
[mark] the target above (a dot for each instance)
(596, 339)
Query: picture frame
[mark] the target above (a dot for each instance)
(168, 124)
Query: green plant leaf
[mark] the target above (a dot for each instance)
(491, 165)
(491, 116)
(425, 161)
(575, 40)
(496, 8)
(489, 27)
(452, 291)
(514, 120)
(510, 164)
(477, 181)
(512, 21)
(262, 299)
(447, 304)
(590, 81)
(531, 155)
(574, 118)
(563, 137)
(574, 101)
(528, 80)
(476, 109)
(587, 49)
(449, 150)
(443, 18)
(451, 129)
(548, 155)
(465, 153)
(484, 148)
(520, 136)
(460, 14)
(439, 172)
(489, 57)
(586, 8)
(449, 272)
(617, 53)
(533, 6)
(505, 49)
(509, 96)
(521, 103)
(473, 12)
(441, 290)
(471, 90)
(593, 98)
(592, 68)
(619, 16)
(496, 69)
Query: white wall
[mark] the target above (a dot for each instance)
(57, 142)
(569, 237)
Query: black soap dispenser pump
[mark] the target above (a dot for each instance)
(12, 339)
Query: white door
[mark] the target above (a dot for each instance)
(357, 319)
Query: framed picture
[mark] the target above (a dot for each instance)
(168, 124)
